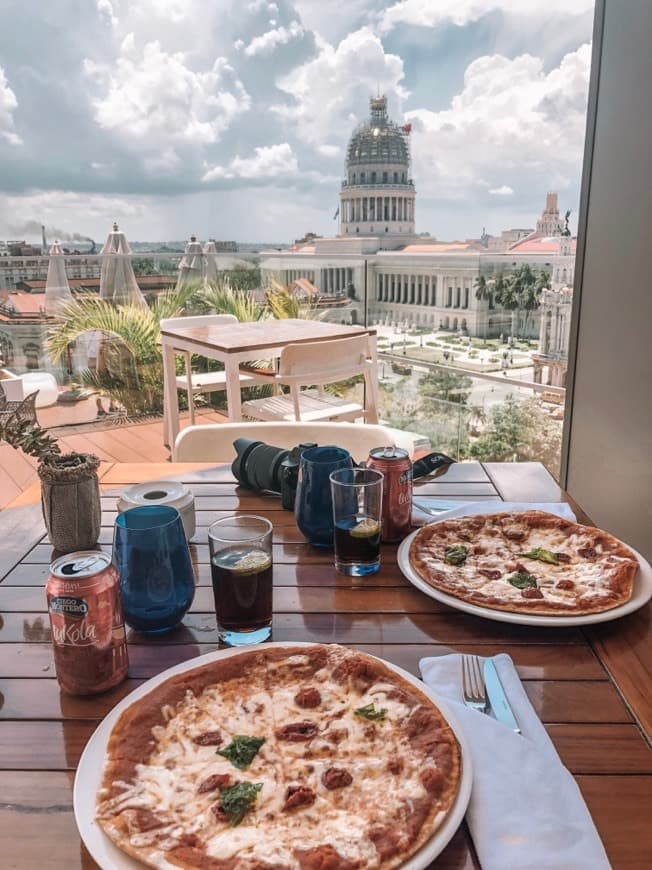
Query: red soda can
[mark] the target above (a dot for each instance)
(86, 622)
(395, 464)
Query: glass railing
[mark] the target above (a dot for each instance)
(469, 397)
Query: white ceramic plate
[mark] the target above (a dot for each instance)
(91, 768)
(641, 594)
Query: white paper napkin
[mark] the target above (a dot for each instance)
(491, 506)
(526, 811)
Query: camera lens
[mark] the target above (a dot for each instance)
(258, 465)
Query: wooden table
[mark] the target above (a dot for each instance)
(235, 343)
(590, 687)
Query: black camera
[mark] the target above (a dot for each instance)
(260, 466)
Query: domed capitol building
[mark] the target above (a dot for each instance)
(413, 280)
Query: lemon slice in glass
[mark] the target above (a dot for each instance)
(365, 528)
(252, 563)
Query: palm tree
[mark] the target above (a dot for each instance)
(506, 295)
(520, 291)
(222, 298)
(484, 291)
(132, 369)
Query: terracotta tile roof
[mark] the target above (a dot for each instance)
(24, 303)
(303, 285)
(145, 282)
(437, 248)
(540, 245)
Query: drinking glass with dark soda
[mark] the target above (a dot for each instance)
(241, 572)
(357, 506)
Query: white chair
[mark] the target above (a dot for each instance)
(43, 383)
(214, 442)
(207, 382)
(318, 363)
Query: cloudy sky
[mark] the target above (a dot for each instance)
(231, 118)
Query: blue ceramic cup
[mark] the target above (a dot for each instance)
(313, 507)
(151, 554)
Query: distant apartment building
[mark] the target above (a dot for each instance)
(404, 278)
(33, 267)
(24, 323)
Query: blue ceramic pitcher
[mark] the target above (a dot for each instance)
(313, 507)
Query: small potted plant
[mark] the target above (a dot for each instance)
(70, 490)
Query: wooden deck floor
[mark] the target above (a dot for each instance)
(136, 442)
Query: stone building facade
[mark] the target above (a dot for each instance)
(402, 278)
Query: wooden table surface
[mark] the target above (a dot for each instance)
(591, 687)
(251, 337)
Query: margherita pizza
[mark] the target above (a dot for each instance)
(529, 562)
(311, 757)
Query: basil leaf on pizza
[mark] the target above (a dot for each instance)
(523, 580)
(236, 799)
(542, 555)
(242, 750)
(580, 569)
(369, 712)
(456, 555)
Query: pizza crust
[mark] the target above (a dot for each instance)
(595, 572)
(339, 791)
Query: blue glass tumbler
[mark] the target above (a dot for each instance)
(313, 506)
(151, 555)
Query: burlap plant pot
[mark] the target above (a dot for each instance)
(70, 498)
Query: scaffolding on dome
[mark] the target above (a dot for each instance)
(379, 140)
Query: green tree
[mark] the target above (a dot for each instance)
(520, 291)
(144, 266)
(441, 385)
(131, 373)
(519, 431)
(484, 292)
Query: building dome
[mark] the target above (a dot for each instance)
(378, 140)
(377, 195)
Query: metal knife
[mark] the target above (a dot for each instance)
(434, 505)
(497, 698)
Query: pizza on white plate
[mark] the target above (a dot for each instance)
(527, 562)
(294, 758)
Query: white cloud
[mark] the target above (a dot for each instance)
(155, 99)
(328, 90)
(511, 119)
(434, 13)
(267, 162)
(175, 11)
(503, 190)
(267, 42)
(106, 10)
(8, 105)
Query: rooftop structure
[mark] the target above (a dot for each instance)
(377, 196)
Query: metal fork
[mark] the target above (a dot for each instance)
(473, 688)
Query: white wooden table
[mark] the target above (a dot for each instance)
(236, 343)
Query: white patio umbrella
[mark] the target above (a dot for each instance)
(210, 261)
(191, 265)
(57, 289)
(117, 280)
